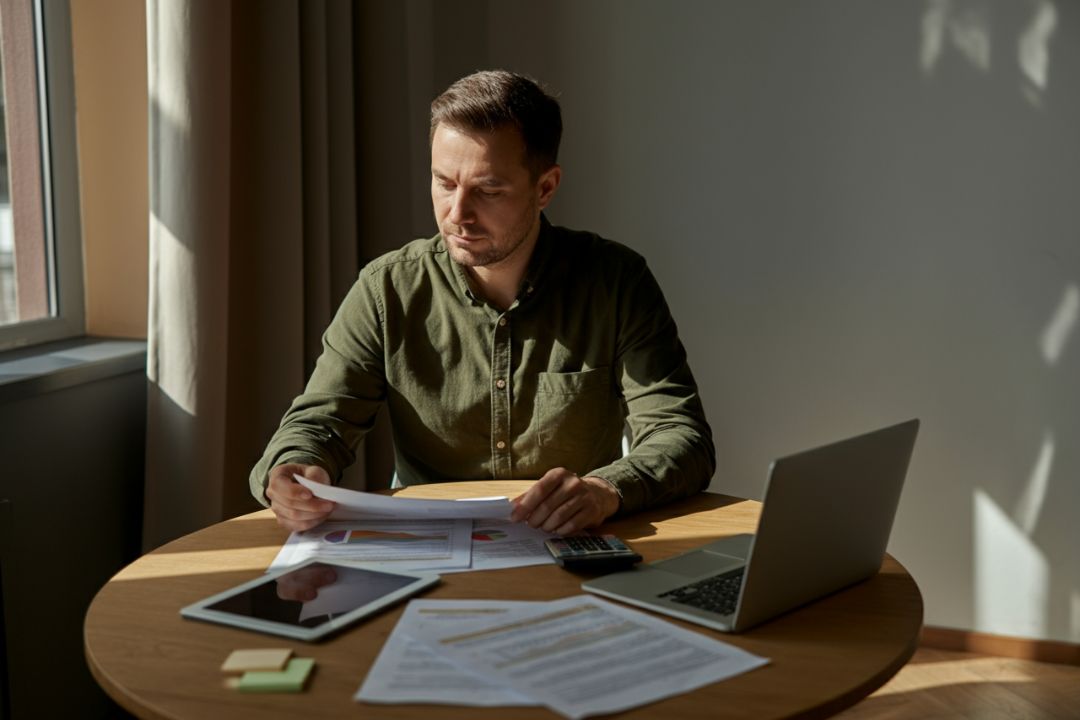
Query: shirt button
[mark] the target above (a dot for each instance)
(501, 444)
(502, 322)
(500, 383)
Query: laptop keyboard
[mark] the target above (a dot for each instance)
(717, 594)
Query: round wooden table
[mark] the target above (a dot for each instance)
(825, 657)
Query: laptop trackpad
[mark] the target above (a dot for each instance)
(698, 562)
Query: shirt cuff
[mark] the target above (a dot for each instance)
(626, 484)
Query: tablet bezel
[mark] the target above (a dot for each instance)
(201, 611)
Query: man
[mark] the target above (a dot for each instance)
(504, 347)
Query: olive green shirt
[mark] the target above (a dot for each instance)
(587, 349)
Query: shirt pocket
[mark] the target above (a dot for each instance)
(570, 410)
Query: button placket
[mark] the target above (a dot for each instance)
(500, 398)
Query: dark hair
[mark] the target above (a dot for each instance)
(491, 99)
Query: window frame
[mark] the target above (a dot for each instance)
(60, 181)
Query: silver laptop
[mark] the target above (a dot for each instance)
(824, 525)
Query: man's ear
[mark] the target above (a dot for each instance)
(548, 184)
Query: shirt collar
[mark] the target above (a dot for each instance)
(462, 279)
(530, 284)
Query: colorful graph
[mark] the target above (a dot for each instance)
(350, 537)
(489, 535)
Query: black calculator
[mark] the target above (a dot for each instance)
(592, 553)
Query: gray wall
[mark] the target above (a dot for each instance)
(860, 212)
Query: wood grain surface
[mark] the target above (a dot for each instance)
(825, 656)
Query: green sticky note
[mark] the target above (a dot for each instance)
(291, 679)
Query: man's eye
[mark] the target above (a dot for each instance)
(490, 193)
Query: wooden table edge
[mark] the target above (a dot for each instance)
(145, 708)
(870, 685)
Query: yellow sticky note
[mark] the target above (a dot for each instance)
(269, 659)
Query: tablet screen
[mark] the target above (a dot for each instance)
(311, 595)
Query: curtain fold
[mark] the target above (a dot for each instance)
(252, 235)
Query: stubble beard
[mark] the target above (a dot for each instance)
(497, 251)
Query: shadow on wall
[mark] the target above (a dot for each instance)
(857, 214)
(1014, 577)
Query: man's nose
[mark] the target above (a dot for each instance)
(461, 211)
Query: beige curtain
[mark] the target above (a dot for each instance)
(252, 235)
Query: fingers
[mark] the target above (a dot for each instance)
(528, 502)
(573, 515)
(315, 473)
(293, 504)
(298, 521)
(563, 503)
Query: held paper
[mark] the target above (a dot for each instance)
(352, 505)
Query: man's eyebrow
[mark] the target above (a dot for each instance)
(485, 181)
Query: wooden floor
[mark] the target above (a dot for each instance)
(942, 684)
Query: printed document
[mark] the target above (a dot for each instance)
(502, 544)
(584, 656)
(438, 545)
(414, 534)
(442, 545)
(408, 671)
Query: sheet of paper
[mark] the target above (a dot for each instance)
(391, 544)
(495, 544)
(502, 544)
(584, 656)
(352, 505)
(409, 671)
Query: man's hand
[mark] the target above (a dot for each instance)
(296, 508)
(563, 503)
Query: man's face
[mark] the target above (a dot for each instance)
(487, 204)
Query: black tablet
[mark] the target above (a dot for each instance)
(309, 600)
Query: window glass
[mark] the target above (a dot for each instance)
(40, 244)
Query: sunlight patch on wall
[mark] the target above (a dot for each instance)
(966, 25)
(1033, 48)
(1061, 326)
(1030, 504)
(1012, 576)
(934, 20)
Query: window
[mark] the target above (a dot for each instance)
(41, 289)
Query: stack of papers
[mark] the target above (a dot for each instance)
(409, 534)
(579, 656)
